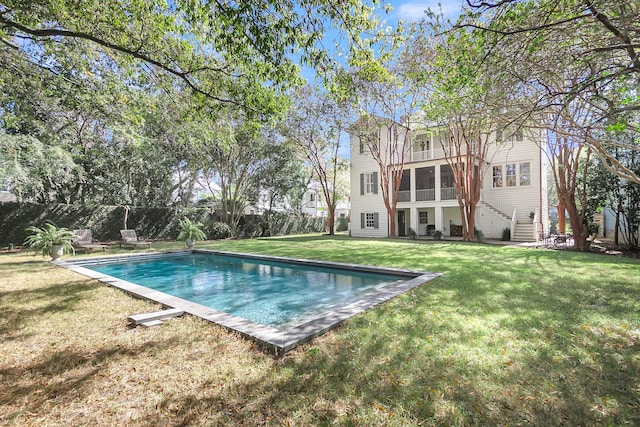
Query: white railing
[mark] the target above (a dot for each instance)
(425, 195)
(503, 207)
(416, 156)
(448, 193)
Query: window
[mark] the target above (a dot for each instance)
(361, 147)
(424, 217)
(509, 134)
(517, 136)
(369, 220)
(525, 173)
(511, 174)
(497, 176)
(312, 197)
(368, 183)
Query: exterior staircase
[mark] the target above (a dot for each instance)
(523, 232)
(495, 210)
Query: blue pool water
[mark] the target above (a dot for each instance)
(272, 293)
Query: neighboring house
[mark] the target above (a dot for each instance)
(313, 204)
(514, 185)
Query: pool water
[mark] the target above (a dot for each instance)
(271, 293)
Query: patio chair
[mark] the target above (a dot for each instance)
(84, 241)
(130, 239)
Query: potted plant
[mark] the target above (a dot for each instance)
(532, 215)
(50, 240)
(190, 232)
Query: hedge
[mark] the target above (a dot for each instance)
(105, 222)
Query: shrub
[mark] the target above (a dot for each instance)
(342, 224)
(506, 234)
(412, 234)
(479, 235)
(219, 230)
(437, 235)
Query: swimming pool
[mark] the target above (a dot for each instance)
(279, 301)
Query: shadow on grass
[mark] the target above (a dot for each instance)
(62, 373)
(506, 336)
(21, 306)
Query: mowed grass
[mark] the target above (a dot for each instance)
(507, 336)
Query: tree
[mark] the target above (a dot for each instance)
(234, 53)
(388, 92)
(622, 196)
(316, 126)
(282, 176)
(34, 170)
(464, 107)
(561, 52)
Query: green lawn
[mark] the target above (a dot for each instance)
(507, 336)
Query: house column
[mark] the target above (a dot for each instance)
(437, 190)
(412, 186)
(413, 219)
(439, 218)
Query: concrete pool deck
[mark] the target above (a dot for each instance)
(281, 340)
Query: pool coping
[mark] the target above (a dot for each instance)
(281, 340)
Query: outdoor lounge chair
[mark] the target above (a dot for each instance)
(84, 241)
(129, 238)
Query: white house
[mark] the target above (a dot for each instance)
(314, 204)
(514, 186)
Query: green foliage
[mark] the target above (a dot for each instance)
(190, 230)
(219, 230)
(42, 239)
(342, 224)
(106, 222)
(411, 233)
(506, 234)
(437, 235)
(478, 234)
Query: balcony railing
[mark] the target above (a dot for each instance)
(425, 195)
(436, 153)
(448, 193)
(404, 196)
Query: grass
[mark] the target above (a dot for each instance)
(507, 336)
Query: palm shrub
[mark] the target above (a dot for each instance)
(190, 230)
(43, 239)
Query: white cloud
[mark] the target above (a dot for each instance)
(414, 11)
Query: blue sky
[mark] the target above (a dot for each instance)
(413, 10)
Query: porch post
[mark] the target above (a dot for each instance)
(439, 221)
(437, 190)
(413, 219)
(412, 186)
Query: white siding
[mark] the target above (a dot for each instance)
(363, 163)
(523, 198)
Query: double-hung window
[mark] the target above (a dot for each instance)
(368, 183)
(497, 176)
(525, 173)
(512, 175)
